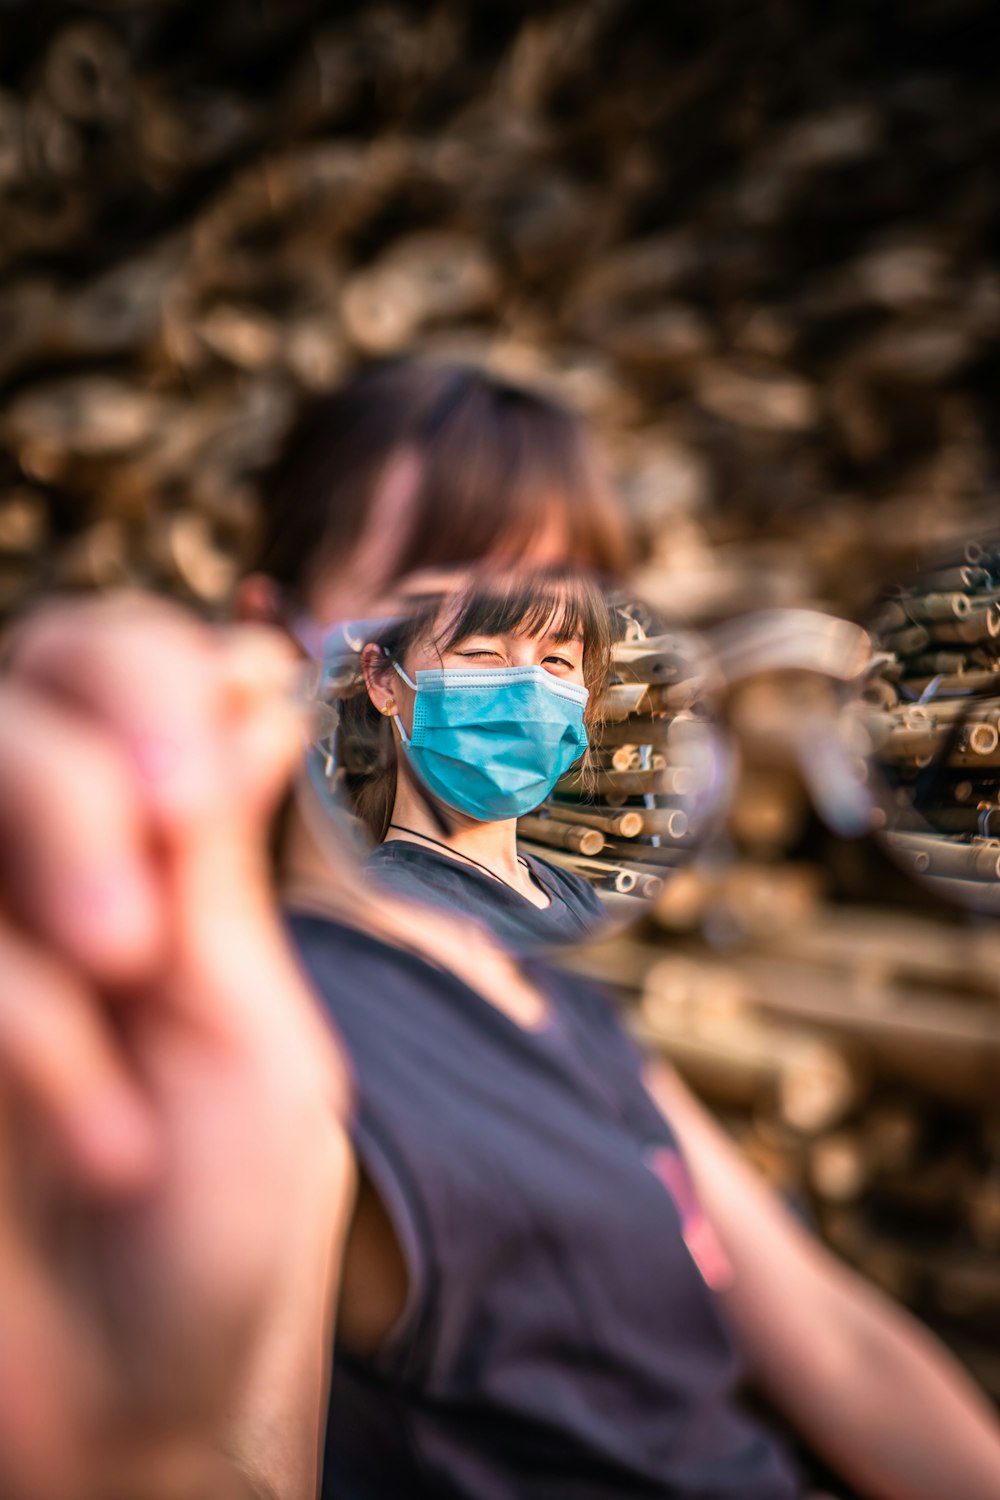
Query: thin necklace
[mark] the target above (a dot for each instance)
(457, 854)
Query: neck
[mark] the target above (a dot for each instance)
(491, 844)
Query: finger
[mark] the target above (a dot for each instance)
(222, 699)
(57, 1052)
(143, 669)
(169, 687)
(74, 865)
(213, 727)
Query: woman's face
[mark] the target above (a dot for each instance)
(545, 648)
(563, 658)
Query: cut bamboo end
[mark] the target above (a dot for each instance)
(588, 841)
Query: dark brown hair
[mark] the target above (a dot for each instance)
(495, 464)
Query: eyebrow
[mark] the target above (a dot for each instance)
(562, 638)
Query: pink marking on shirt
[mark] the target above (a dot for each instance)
(703, 1244)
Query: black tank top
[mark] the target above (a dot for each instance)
(561, 1339)
(419, 874)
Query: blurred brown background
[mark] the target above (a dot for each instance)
(758, 245)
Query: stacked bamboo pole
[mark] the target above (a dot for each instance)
(935, 725)
(643, 797)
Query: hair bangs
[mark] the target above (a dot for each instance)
(564, 605)
(531, 605)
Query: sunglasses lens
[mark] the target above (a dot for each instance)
(606, 791)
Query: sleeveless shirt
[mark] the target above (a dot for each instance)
(561, 1340)
(416, 873)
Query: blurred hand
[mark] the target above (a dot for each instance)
(174, 1172)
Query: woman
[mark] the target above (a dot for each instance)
(535, 1301)
(532, 1301)
(413, 470)
(475, 703)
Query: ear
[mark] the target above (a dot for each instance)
(258, 600)
(380, 679)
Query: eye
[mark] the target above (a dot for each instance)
(481, 655)
(562, 662)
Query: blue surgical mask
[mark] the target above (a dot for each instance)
(492, 742)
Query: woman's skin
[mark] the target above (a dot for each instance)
(493, 845)
(127, 825)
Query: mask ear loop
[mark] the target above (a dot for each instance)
(395, 717)
(432, 806)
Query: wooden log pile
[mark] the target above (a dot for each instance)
(631, 813)
(758, 253)
(935, 724)
(852, 1046)
(757, 249)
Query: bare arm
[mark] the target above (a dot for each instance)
(279, 1425)
(870, 1388)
